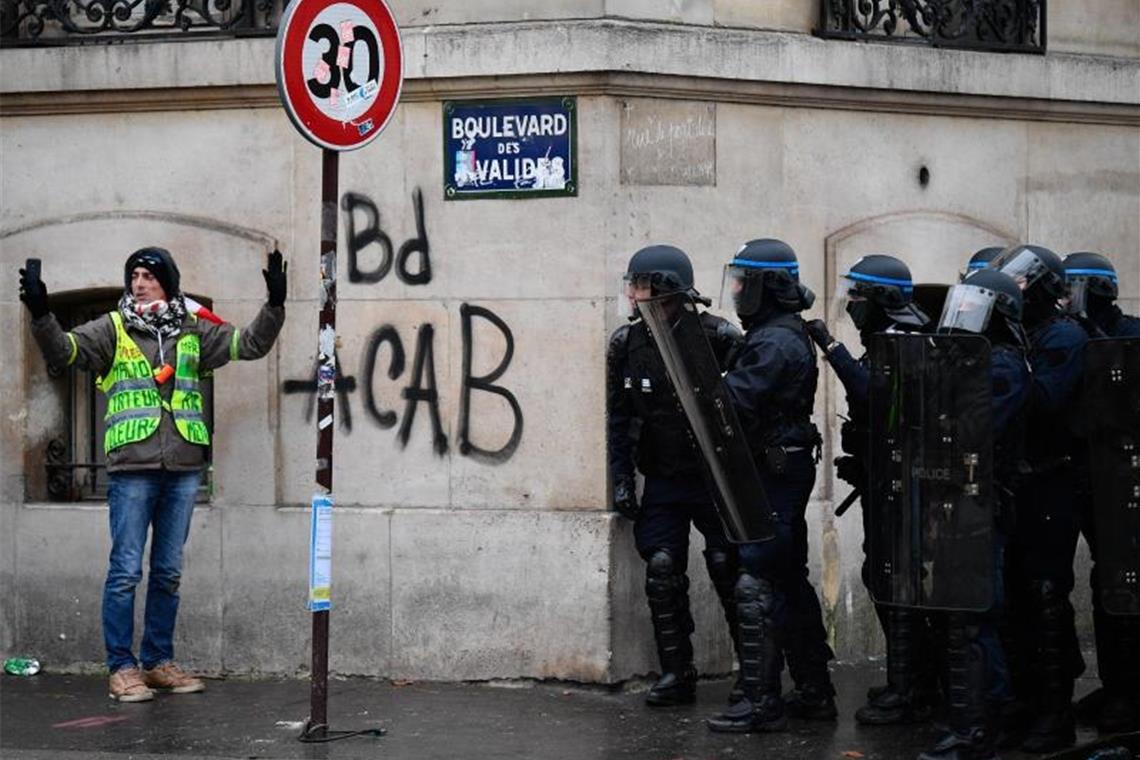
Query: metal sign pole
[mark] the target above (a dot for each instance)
(326, 399)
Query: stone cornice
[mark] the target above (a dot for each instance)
(606, 56)
(614, 84)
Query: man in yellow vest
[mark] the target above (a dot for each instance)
(149, 354)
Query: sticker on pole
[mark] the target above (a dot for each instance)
(320, 553)
(340, 68)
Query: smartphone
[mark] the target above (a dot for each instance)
(32, 267)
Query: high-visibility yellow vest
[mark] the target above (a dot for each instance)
(134, 405)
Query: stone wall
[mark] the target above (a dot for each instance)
(450, 565)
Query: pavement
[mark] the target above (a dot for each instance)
(63, 717)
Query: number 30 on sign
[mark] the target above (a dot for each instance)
(340, 68)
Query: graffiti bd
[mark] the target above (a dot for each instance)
(412, 265)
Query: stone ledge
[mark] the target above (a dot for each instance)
(612, 84)
(603, 45)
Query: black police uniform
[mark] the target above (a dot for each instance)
(648, 429)
(1041, 637)
(1116, 707)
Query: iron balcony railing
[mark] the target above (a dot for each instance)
(1016, 26)
(68, 22)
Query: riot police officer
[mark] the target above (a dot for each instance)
(772, 382)
(877, 293)
(1093, 290)
(1115, 708)
(647, 429)
(1044, 652)
(986, 303)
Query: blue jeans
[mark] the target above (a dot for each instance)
(142, 501)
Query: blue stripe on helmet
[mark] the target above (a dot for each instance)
(859, 277)
(974, 266)
(793, 265)
(1093, 272)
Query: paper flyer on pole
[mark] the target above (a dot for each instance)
(320, 554)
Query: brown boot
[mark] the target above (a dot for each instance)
(170, 677)
(127, 686)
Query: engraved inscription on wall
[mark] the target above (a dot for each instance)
(666, 142)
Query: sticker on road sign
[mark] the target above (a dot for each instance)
(339, 70)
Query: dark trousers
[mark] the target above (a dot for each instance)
(1039, 557)
(670, 506)
(783, 560)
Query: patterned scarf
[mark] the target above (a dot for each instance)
(161, 318)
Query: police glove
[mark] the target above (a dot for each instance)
(818, 331)
(275, 281)
(625, 498)
(33, 293)
(850, 470)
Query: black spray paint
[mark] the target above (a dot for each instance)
(360, 238)
(486, 383)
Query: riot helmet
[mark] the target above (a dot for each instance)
(654, 271)
(1040, 275)
(1092, 281)
(976, 304)
(877, 292)
(764, 275)
(981, 259)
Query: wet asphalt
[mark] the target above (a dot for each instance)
(69, 716)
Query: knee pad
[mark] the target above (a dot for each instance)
(660, 564)
(757, 591)
(1050, 603)
(663, 578)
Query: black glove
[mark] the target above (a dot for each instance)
(850, 470)
(33, 293)
(625, 498)
(275, 281)
(818, 331)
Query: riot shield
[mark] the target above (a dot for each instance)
(1111, 411)
(675, 325)
(930, 487)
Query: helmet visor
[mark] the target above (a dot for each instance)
(968, 308)
(735, 295)
(1022, 265)
(846, 293)
(1078, 299)
(633, 288)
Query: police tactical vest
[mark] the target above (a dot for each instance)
(134, 404)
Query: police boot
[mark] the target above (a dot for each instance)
(761, 709)
(813, 698)
(723, 568)
(668, 594)
(1055, 726)
(896, 703)
(1115, 709)
(969, 738)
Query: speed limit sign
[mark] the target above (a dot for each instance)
(339, 69)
